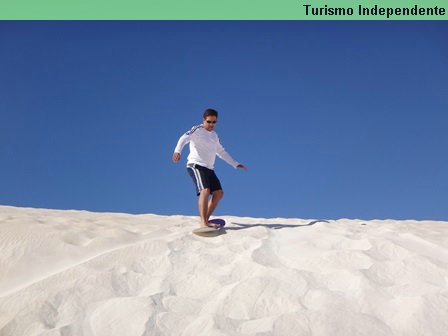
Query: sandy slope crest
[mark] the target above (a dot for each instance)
(75, 273)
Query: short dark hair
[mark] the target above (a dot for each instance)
(210, 113)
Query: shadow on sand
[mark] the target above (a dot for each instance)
(273, 226)
(211, 233)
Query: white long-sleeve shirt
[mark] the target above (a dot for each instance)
(204, 146)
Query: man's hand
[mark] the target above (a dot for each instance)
(176, 157)
(240, 166)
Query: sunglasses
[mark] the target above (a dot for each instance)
(211, 121)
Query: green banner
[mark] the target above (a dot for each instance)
(223, 10)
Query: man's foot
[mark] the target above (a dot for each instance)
(211, 225)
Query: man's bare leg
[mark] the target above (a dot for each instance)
(213, 203)
(203, 206)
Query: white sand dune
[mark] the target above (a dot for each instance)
(76, 273)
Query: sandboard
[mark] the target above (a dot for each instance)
(211, 230)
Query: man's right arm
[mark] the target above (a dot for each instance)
(183, 140)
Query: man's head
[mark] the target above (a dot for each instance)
(210, 119)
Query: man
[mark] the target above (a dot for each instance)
(204, 146)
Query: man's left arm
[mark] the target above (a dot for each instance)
(222, 153)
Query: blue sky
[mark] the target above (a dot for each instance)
(333, 119)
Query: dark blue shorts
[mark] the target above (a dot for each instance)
(203, 178)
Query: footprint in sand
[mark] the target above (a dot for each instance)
(81, 239)
(119, 316)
